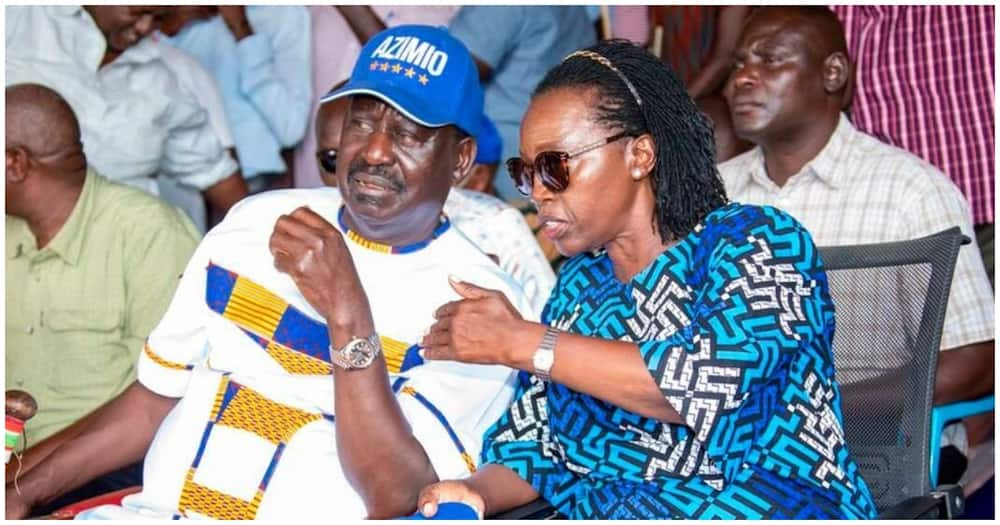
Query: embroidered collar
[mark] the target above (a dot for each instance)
(386, 248)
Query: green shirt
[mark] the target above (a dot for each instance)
(79, 309)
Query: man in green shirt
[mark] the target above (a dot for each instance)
(91, 266)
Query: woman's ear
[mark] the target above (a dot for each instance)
(640, 156)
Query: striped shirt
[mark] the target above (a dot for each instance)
(858, 190)
(925, 84)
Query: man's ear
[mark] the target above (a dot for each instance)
(18, 161)
(640, 156)
(836, 72)
(466, 158)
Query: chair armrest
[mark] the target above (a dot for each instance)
(944, 414)
(536, 510)
(947, 502)
(111, 498)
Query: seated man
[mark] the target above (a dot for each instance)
(137, 123)
(791, 69)
(260, 57)
(302, 309)
(91, 266)
(495, 227)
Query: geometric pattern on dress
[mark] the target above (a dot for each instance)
(735, 324)
(297, 342)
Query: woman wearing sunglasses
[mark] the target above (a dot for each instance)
(683, 365)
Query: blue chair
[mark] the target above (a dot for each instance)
(942, 415)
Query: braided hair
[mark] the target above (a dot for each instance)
(638, 94)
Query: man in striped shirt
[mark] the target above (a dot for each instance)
(925, 84)
(790, 74)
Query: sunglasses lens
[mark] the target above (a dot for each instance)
(327, 160)
(519, 172)
(552, 167)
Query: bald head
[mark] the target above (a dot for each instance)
(40, 121)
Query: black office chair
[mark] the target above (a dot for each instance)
(890, 302)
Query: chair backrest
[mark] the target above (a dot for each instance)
(890, 302)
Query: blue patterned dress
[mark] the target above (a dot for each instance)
(735, 324)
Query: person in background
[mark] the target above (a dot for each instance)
(932, 96)
(514, 46)
(786, 91)
(136, 123)
(687, 338)
(199, 85)
(91, 267)
(489, 148)
(261, 58)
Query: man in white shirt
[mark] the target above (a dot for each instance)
(790, 73)
(136, 122)
(198, 84)
(235, 407)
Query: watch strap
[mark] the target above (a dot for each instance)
(544, 356)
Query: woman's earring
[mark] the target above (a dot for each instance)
(636, 174)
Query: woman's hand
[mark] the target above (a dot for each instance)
(476, 329)
(446, 491)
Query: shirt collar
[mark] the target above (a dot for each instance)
(68, 242)
(827, 165)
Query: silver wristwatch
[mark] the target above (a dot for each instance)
(359, 352)
(545, 355)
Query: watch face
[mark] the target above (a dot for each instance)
(360, 354)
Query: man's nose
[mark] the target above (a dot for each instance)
(378, 149)
(742, 78)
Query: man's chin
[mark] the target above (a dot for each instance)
(369, 209)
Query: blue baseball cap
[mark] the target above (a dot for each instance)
(422, 71)
(489, 145)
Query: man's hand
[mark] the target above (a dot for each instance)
(446, 491)
(312, 252)
(235, 17)
(17, 505)
(475, 329)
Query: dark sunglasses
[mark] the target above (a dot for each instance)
(552, 167)
(327, 160)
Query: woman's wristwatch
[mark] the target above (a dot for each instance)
(545, 355)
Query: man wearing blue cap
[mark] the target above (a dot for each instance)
(285, 379)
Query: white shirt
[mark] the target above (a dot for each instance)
(198, 84)
(135, 120)
(403, 290)
(498, 228)
(858, 190)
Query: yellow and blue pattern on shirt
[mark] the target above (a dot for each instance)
(297, 342)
